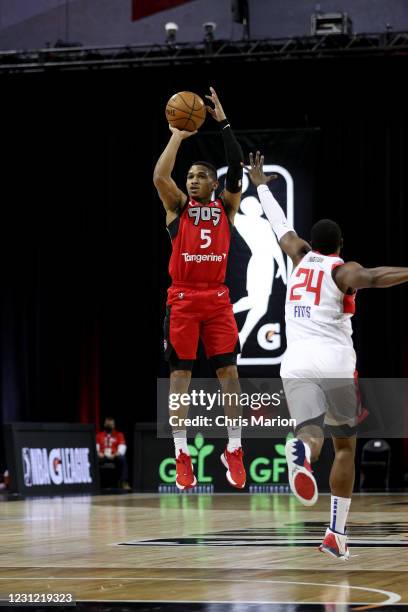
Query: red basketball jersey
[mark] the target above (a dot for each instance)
(201, 238)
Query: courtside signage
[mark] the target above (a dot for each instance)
(263, 469)
(57, 466)
(52, 458)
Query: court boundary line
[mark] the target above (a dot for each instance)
(392, 597)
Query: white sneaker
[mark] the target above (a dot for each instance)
(335, 544)
(301, 479)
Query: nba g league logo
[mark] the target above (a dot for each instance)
(57, 466)
(267, 263)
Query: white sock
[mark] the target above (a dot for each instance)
(234, 438)
(339, 511)
(180, 442)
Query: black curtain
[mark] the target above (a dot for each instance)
(362, 184)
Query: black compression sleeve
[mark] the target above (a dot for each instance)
(234, 155)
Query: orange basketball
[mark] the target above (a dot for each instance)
(186, 111)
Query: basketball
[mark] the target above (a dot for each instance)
(186, 111)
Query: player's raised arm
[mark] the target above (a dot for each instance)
(288, 239)
(171, 196)
(234, 156)
(352, 275)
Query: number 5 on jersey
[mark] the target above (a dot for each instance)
(206, 237)
(307, 282)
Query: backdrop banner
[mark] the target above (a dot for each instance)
(51, 458)
(258, 269)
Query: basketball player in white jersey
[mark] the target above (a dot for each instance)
(319, 364)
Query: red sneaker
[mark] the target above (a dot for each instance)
(185, 478)
(236, 474)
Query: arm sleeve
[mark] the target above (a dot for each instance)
(234, 156)
(273, 212)
(122, 449)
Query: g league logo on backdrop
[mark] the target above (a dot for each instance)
(267, 263)
(58, 466)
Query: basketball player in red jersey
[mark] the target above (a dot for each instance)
(198, 304)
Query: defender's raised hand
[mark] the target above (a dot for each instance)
(255, 170)
(217, 112)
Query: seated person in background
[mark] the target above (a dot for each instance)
(111, 447)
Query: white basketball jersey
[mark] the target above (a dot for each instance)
(315, 306)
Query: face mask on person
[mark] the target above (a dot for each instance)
(108, 428)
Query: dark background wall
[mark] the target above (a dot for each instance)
(108, 22)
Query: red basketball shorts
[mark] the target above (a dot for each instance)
(200, 313)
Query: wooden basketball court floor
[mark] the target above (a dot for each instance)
(236, 548)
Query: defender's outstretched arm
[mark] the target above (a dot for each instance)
(288, 239)
(353, 276)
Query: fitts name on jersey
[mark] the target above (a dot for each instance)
(301, 311)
